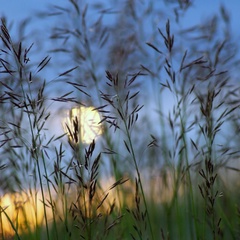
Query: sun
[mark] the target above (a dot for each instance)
(83, 124)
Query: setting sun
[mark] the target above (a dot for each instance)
(82, 124)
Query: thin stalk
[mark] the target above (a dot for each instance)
(1, 224)
(13, 227)
(34, 145)
(37, 235)
(209, 173)
(82, 202)
(190, 196)
(137, 169)
(140, 181)
(50, 196)
(43, 197)
(117, 174)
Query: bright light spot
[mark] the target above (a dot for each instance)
(25, 212)
(83, 125)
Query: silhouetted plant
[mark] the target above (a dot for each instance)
(168, 98)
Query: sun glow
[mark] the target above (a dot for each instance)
(21, 211)
(24, 211)
(83, 124)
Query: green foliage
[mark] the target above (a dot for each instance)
(166, 163)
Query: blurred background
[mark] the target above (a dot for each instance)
(154, 83)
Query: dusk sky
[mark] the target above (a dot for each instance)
(16, 11)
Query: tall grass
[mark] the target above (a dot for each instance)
(169, 116)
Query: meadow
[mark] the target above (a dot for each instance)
(136, 134)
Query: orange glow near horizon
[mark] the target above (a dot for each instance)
(21, 211)
(26, 210)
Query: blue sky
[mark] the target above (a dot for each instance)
(20, 9)
(16, 11)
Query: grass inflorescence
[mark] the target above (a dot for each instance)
(163, 158)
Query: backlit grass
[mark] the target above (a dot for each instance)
(155, 156)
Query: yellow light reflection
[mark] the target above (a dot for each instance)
(83, 125)
(26, 210)
(22, 211)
